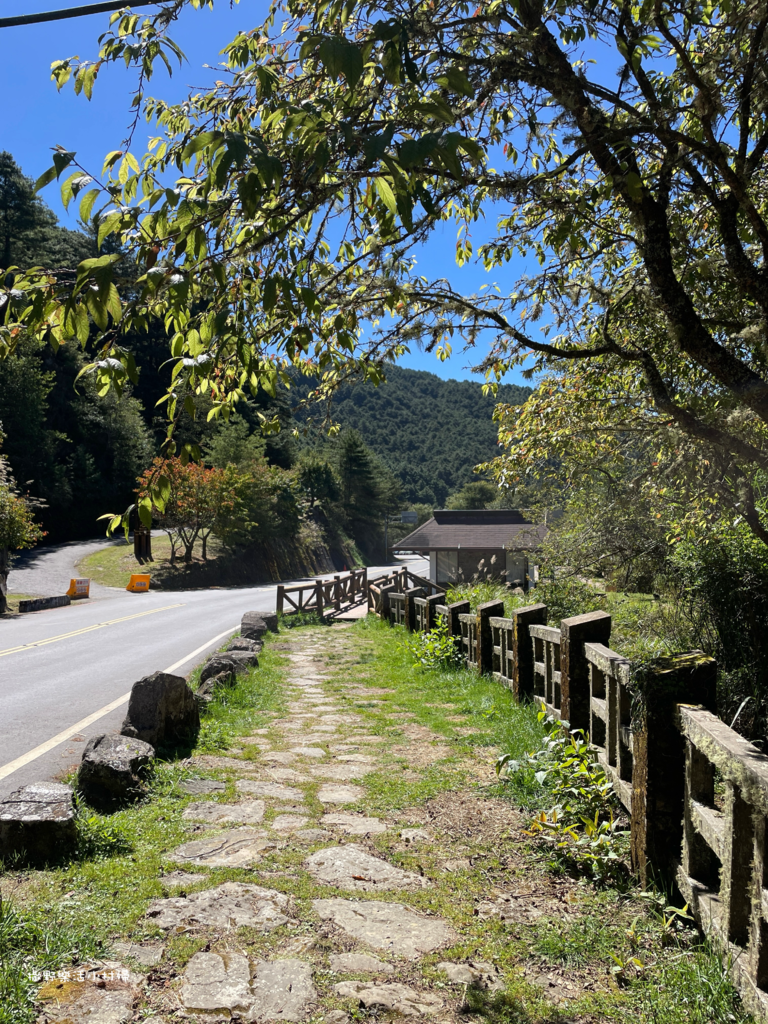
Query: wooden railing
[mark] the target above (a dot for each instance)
(662, 749)
(342, 591)
(722, 872)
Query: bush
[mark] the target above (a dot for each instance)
(435, 649)
(585, 826)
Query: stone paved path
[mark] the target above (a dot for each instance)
(294, 896)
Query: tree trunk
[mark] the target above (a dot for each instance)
(204, 537)
(4, 569)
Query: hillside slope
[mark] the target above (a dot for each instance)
(430, 432)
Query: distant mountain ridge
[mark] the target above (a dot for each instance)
(428, 431)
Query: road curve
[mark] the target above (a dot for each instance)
(61, 666)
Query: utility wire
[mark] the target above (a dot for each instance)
(74, 12)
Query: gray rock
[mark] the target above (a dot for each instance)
(311, 835)
(283, 990)
(37, 823)
(289, 822)
(353, 868)
(396, 998)
(232, 664)
(162, 710)
(239, 848)
(232, 905)
(111, 770)
(331, 794)
(341, 772)
(309, 751)
(254, 625)
(354, 824)
(148, 955)
(278, 757)
(346, 963)
(102, 997)
(477, 973)
(198, 787)
(248, 812)
(242, 643)
(271, 790)
(217, 983)
(387, 926)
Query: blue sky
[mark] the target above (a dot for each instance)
(36, 117)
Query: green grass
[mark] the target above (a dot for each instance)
(113, 565)
(77, 910)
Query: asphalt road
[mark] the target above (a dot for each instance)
(61, 667)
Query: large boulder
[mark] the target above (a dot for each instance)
(162, 710)
(254, 625)
(232, 663)
(241, 643)
(37, 824)
(111, 769)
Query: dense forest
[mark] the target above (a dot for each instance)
(429, 432)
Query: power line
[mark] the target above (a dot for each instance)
(73, 12)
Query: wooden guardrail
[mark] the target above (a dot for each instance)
(342, 591)
(654, 732)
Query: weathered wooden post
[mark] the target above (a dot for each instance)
(410, 607)
(486, 611)
(364, 583)
(594, 628)
(432, 603)
(336, 594)
(280, 598)
(454, 611)
(385, 610)
(522, 648)
(320, 598)
(659, 762)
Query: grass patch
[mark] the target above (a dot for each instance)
(13, 605)
(113, 564)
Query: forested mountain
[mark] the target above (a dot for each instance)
(429, 432)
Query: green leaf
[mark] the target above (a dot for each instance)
(45, 178)
(111, 159)
(340, 57)
(86, 204)
(386, 194)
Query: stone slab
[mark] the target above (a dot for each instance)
(353, 868)
(289, 822)
(37, 823)
(309, 752)
(217, 983)
(311, 835)
(102, 997)
(270, 790)
(238, 848)
(341, 772)
(387, 926)
(400, 999)
(148, 955)
(288, 775)
(231, 905)
(336, 794)
(282, 990)
(248, 812)
(354, 824)
(347, 963)
(199, 787)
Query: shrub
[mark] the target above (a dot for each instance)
(435, 649)
(585, 825)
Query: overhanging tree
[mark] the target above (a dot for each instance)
(340, 138)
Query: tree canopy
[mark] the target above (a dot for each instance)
(276, 216)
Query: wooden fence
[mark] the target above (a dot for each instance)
(695, 791)
(340, 592)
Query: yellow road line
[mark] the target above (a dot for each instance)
(54, 741)
(87, 629)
